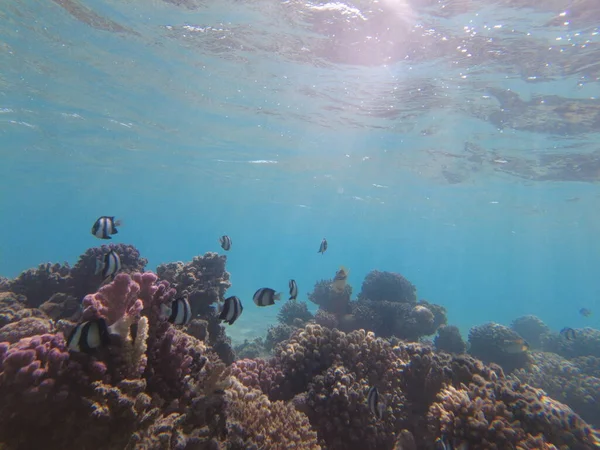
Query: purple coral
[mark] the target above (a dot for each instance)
(114, 301)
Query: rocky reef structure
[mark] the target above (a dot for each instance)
(449, 340)
(158, 386)
(566, 382)
(532, 329)
(203, 281)
(586, 343)
(153, 386)
(489, 343)
(327, 374)
(386, 305)
(41, 284)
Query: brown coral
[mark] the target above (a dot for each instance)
(255, 422)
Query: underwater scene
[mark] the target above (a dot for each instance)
(285, 224)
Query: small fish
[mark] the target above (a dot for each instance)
(179, 312)
(293, 289)
(108, 266)
(88, 336)
(232, 309)
(266, 297)
(585, 312)
(323, 246)
(105, 226)
(225, 242)
(568, 333)
(515, 346)
(339, 281)
(376, 403)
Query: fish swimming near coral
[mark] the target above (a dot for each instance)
(585, 312)
(232, 309)
(515, 346)
(568, 333)
(339, 281)
(179, 312)
(105, 226)
(225, 242)
(323, 246)
(108, 266)
(88, 336)
(293, 289)
(266, 297)
(376, 403)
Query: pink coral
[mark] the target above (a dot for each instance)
(113, 301)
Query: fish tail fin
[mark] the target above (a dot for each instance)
(277, 296)
(118, 223)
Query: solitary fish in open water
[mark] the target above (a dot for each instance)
(105, 226)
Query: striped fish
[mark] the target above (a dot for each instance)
(88, 336)
(232, 309)
(265, 297)
(293, 289)
(376, 403)
(105, 226)
(108, 266)
(225, 242)
(179, 313)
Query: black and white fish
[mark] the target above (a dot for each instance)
(105, 226)
(293, 289)
(266, 297)
(376, 403)
(88, 336)
(339, 281)
(225, 242)
(568, 333)
(178, 312)
(108, 266)
(232, 309)
(323, 246)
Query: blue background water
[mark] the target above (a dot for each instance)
(186, 143)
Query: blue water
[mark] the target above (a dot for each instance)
(239, 119)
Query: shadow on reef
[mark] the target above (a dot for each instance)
(158, 386)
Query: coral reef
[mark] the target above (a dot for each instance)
(532, 329)
(387, 286)
(449, 340)
(277, 334)
(587, 343)
(337, 303)
(564, 381)
(489, 342)
(403, 320)
(326, 374)
(204, 282)
(250, 349)
(293, 311)
(39, 285)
